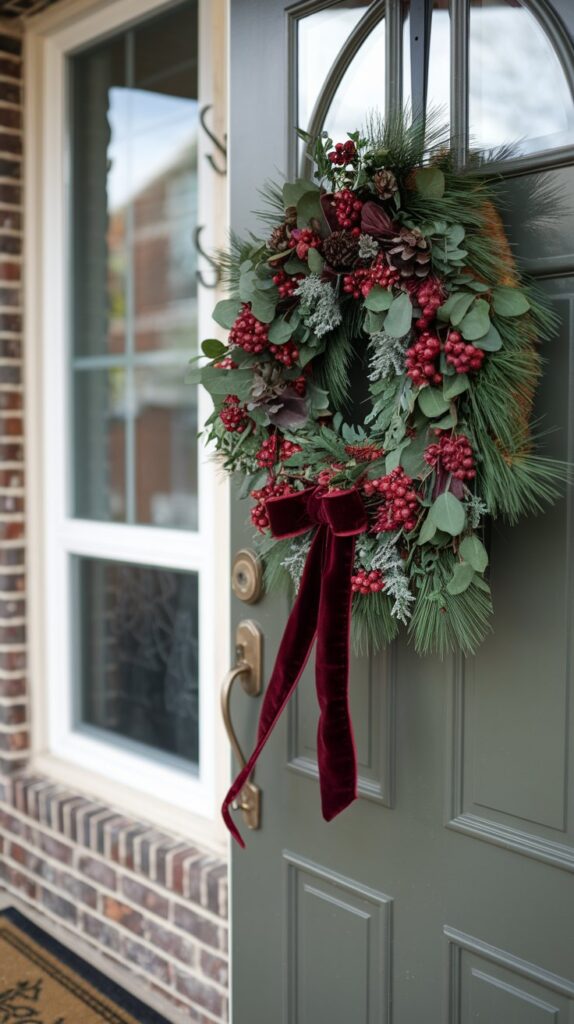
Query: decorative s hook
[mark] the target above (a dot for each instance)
(219, 144)
(209, 259)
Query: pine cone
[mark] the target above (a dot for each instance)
(409, 253)
(278, 240)
(341, 250)
(385, 183)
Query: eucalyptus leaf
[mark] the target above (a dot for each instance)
(315, 260)
(379, 299)
(474, 552)
(491, 341)
(432, 403)
(226, 312)
(455, 234)
(225, 382)
(293, 190)
(263, 306)
(430, 182)
(213, 347)
(279, 332)
(448, 421)
(447, 512)
(509, 301)
(460, 308)
(455, 385)
(309, 208)
(427, 531)
(444, 311)
(399, 317)
(461, 578)
(476, 323)
(373, 321)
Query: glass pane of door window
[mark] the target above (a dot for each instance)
(100, 444)
(520, 95)
(136, 638)
(362, 88)
(438, 85)
(134, 207)
(166, 448)
(320, 37)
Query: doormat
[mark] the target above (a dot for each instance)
(42, 982)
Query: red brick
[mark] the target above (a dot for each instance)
(120, 913)
(170, 942)
(16, 880)
(214, 967)
(13, 714)
(10, 44)
(9, 69)
(101, 932)
(12, 687)
(97, 871)
(58, 905)
(145, 958)
(56, 849)
(10, 118)
(199, 993)
(195, 924)
(14, 740)
(145, 897)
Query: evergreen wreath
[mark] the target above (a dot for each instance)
(391, 270)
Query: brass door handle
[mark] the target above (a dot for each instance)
(248, 668)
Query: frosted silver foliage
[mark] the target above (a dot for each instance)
(294, 562)
(368, 247)
(386, 356)
(319, 307)
(371, 554)
(475, 510)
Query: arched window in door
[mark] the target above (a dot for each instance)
(501, 70)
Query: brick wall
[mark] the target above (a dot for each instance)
(13, 708)
(155, 904)
(143, 898)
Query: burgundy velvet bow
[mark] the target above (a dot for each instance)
(322, 609)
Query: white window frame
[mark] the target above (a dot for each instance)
(163, 793)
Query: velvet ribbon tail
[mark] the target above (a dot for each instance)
(321, 609)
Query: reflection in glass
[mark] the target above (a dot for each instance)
(166, 447)
(438, 86)
(137, 655)
(134, 127)
(519, 94)
(362, 87)
(320, 37)
(99, 444)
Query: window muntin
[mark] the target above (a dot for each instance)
(505, 107)
(519, 95)
(134, 120)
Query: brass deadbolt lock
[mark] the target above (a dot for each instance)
(247, 576)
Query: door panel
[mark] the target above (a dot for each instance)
(440, 895)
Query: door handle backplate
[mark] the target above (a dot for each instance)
(248, 669)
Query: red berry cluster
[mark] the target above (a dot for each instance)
(275, 450)
(347, 209)
(300, 386)
(464, 357)
(248, 332)
(303, 239)
(429, 296)
(286, 354)
(225, 364)
(455, 456)
(400, 501)
(359, 283)
(286, 284)
(274, 489)
(344, 153)
(365, 582)
(421, 359)
(233, 415)
(363, 452)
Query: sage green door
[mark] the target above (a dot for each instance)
(445, 892)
